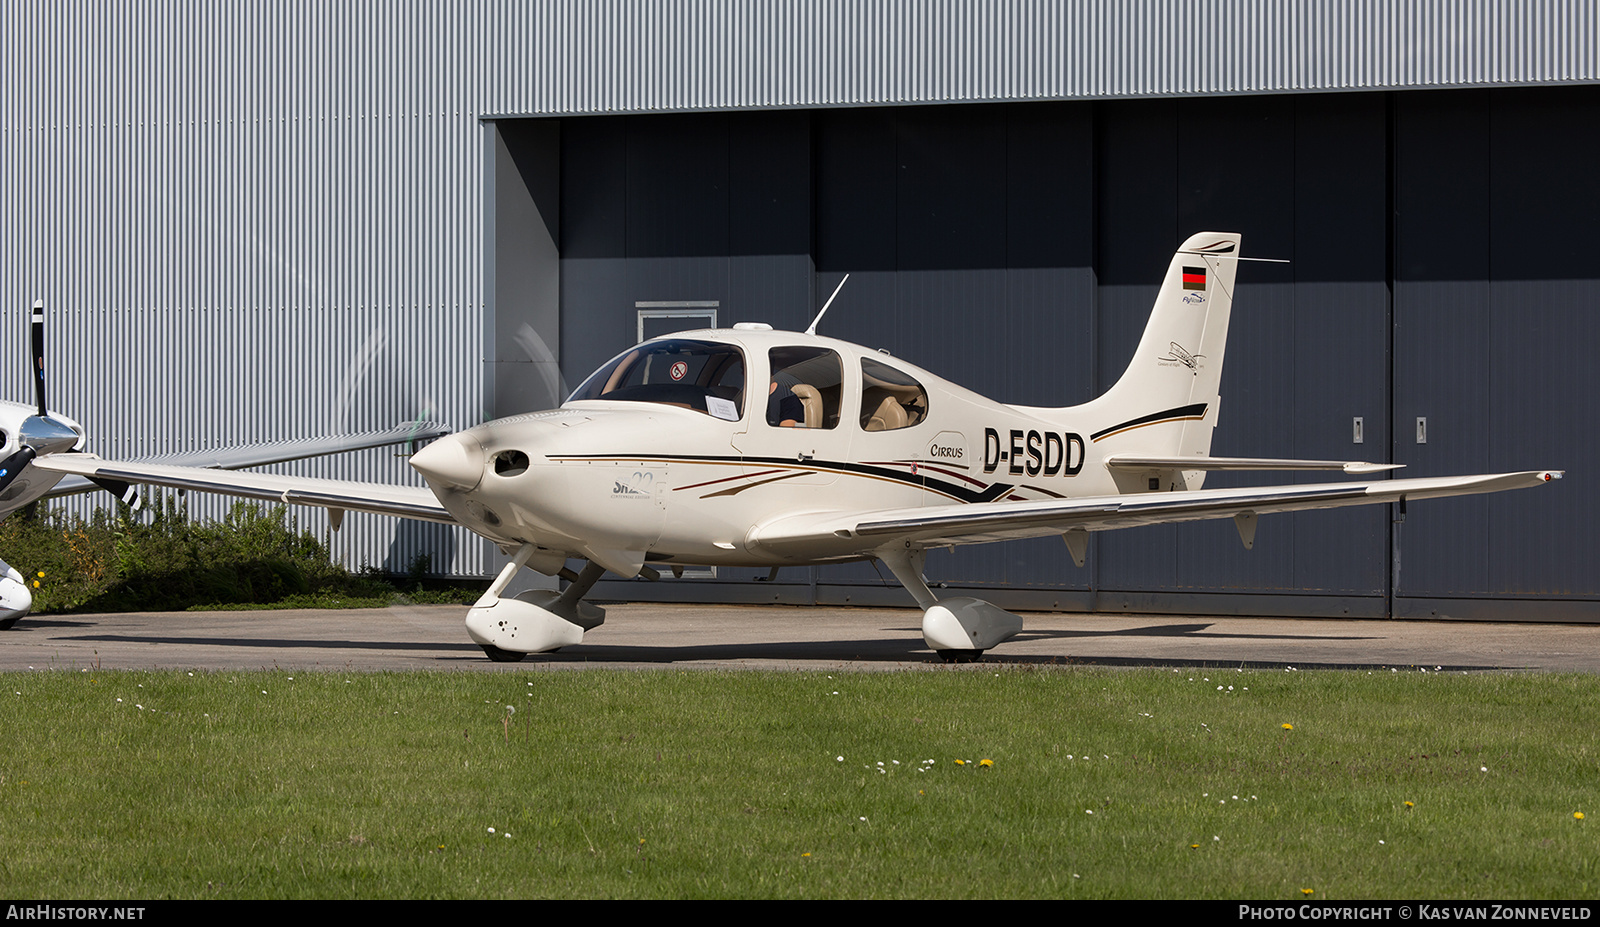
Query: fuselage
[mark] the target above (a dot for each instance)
(679, 450)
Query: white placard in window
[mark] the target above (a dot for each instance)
(722, 408)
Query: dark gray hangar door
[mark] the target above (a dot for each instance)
(1444, 267)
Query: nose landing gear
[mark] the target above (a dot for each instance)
(536, 621)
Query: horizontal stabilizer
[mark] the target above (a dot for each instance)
(1131, 462)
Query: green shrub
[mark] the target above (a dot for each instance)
(165, 561)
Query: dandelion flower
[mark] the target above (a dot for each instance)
(1411, 804)
(986, 763)
(1288, 727)
(1307, 891)
(961, 762)
(1577, 815)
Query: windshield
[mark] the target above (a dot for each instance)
(700, 375)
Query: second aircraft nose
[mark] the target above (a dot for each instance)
(452, 462)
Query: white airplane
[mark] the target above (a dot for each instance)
(29, 432)
(754, 447)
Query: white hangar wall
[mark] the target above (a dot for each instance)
(265, 220)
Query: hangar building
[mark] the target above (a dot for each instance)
(262, 221)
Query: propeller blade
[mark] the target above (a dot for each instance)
(12, 466)
(126, 492)
(37, 327)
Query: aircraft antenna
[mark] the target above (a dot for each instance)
(812, 330)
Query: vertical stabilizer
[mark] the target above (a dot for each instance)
(1167, 400)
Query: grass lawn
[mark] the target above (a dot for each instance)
(649, 784)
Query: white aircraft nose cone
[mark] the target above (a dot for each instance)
(454, 461)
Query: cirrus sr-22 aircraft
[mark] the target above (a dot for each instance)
(759, 448)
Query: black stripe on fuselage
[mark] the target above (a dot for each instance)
(1197, 410)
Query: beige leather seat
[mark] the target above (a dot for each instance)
(888, 416)
(811, 399)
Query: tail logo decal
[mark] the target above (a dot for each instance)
(1181, 355)
(1194, 278)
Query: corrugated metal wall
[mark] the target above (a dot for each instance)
(249, 223)
(602, 56)
(257, 221)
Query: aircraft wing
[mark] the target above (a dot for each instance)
(977, 523)
(404, 501)
(260, 455)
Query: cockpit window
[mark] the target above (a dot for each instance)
(805, 387)
(890, 398)
(700, 375)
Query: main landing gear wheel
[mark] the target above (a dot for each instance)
(959, 656)
(502, 656)
(6, 624)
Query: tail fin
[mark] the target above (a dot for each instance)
(1166, 402)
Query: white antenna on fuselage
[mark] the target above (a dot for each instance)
(812, 329)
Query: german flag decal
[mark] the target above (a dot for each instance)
(1194, 278)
